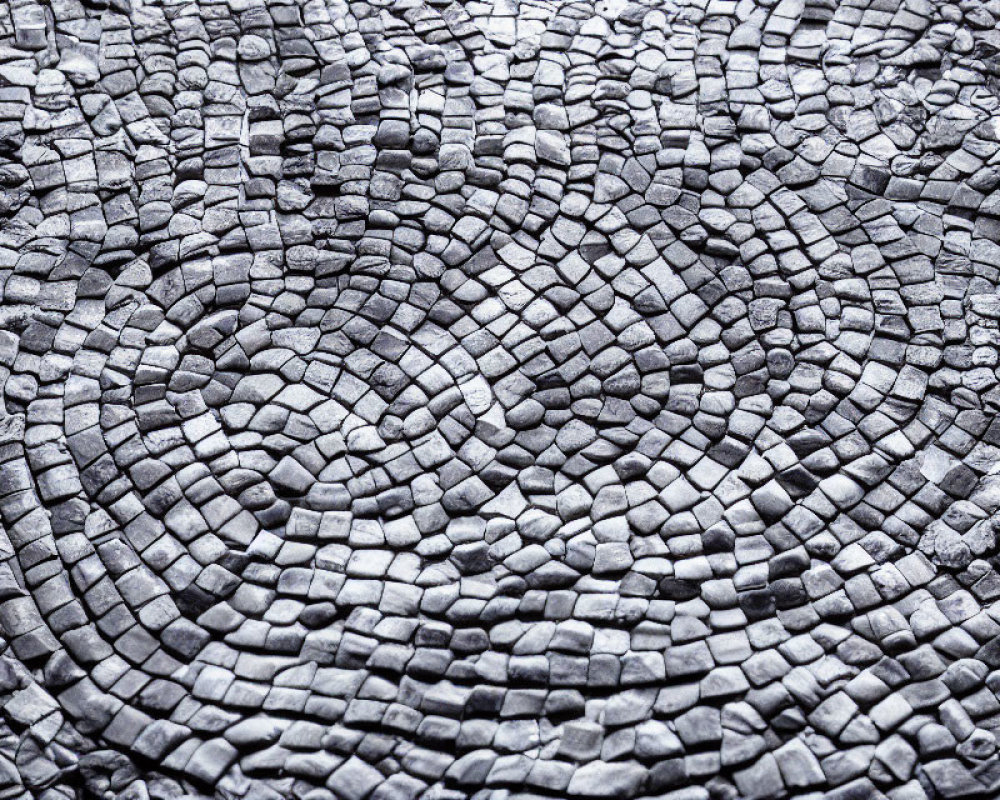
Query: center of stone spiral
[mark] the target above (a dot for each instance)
(328, 415)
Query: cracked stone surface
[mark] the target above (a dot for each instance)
(503, 400)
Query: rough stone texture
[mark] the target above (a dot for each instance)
(519, 399)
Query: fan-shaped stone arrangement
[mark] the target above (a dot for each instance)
(434, 400)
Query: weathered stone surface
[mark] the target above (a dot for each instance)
(564, 399)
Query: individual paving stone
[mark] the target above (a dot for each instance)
(602, 779)
(567, 399)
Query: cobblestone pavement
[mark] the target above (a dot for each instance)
(415, 399)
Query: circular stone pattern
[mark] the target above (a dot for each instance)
(467, 401)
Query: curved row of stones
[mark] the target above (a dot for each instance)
(518, 399)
